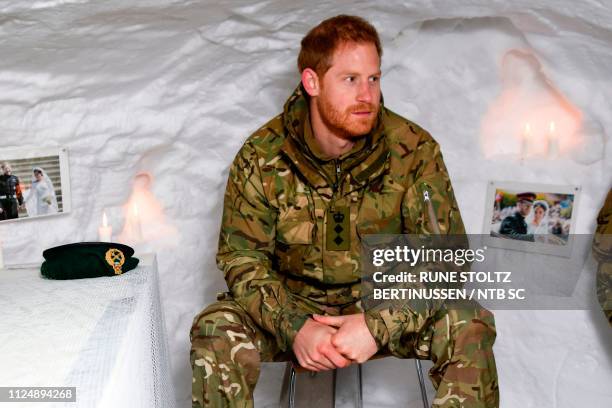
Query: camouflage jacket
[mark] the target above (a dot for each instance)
(272, 245)
(602, 250)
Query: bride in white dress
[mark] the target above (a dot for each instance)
(40, 199)
(538, 220)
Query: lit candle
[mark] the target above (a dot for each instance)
(105, 231)
(553, 145)
(137, 226)
(525, 141)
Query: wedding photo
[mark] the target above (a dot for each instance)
(32, 183)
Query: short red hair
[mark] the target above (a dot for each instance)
(319, 44)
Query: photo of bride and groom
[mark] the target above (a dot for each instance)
(532, 216)
(30, 187)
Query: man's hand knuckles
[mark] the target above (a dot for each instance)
(343, 350)
(323, 348)
(336, 341)
(317, 358)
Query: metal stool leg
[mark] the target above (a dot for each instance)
(302, 388)
(359, 387)
(419, 370)
(292, 388)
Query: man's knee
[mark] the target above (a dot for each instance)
(224, 358)
(475, 328)
(221, 321)
(483, 324)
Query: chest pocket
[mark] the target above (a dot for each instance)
(294, 224)
(294, 231)
(293, 241)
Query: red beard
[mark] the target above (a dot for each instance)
(346, 124)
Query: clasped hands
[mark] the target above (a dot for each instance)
(330, 342)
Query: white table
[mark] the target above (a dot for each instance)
(105, 336)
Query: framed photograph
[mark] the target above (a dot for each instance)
(531, 217)
(33, 183)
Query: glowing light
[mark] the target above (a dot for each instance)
(105, 232)
(553, 143)
(525, 141)
(145, 221)
(521, 121)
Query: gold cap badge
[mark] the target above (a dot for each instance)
(116, 259)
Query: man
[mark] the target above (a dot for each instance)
(602, 250)
(302, 191)
(514, 225)
(11, 197)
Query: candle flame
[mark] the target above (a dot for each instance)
(552, 127)
(104, 220)
(135, 210)
(527, 129)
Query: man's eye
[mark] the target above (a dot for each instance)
(374, 79)
(350, 79)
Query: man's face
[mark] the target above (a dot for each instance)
(524, 207)
(349, 98)
(7, 170)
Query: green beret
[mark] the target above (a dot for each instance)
(87, 260)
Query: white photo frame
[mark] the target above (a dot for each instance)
(554, 235)
(44, 193)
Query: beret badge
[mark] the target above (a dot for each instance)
(115, 258)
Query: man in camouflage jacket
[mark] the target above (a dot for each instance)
(296, 208)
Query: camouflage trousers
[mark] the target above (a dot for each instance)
(227, 348)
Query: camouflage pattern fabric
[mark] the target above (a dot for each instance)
(226, 350)
(460, 344)
(278, 264)
(602, 250)
(228, 347)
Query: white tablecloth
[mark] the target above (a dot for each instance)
(104, 336)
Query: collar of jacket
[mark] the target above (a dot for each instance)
(364, 163)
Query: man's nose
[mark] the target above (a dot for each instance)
(365, 92)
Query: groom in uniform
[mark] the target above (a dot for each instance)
(11, 197)
(514, 225)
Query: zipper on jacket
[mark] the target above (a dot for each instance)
(433, 220)
(338, 171)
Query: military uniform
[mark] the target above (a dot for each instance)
(10, 196)
(282, 262)
(513, 225)
(602, 250)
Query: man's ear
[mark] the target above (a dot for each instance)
(310, 81)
